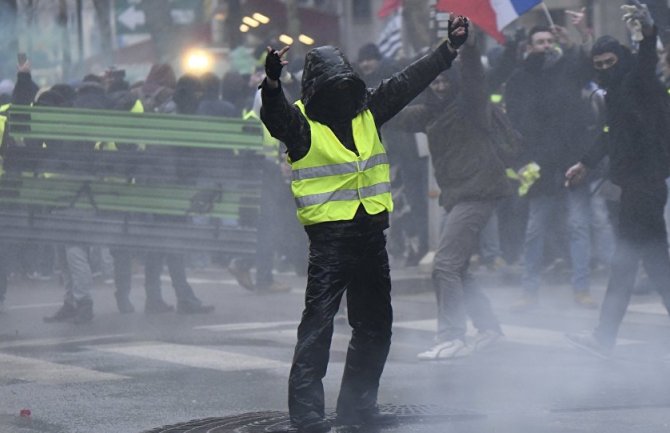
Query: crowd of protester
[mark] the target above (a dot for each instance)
(537, 105)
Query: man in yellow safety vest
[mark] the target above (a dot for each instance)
(341, 186)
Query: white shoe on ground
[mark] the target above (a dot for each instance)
(484, 340)
(587, 342)
(445, 350)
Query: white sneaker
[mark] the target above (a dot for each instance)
(485, 339)
(445, 350)
(587, 342)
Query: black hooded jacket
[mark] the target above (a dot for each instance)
(638, 121)
(326, 66)
(544, 103)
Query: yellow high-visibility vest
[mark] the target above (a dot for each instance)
(3, 118)
(331, 181)
(137, 107)
(270, 144)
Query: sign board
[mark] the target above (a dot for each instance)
(131, 20)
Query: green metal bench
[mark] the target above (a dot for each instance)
(62, 182)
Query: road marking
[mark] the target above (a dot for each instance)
(36, 370)
(29, 306)
(195, 356)
(57, 341)
(249, 326)
(275, 331)
(514, 334)
(193, 280)
(649, 308)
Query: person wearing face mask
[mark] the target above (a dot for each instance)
(544, 103)
(636, 141)
(341, 186)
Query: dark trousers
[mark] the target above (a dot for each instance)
(358, 265)
(4, 270)
(177, 269)
(123, 270)
(641, 236)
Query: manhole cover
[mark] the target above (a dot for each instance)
(278, 422)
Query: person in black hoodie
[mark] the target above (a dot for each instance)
(341, 185)
(636, 142)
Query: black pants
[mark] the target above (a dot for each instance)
(641, 236)
(123, 270)
(358, 265)
(153, 268)
(4, 270)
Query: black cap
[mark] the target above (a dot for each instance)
(369, 52)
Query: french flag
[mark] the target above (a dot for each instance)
(490, 15)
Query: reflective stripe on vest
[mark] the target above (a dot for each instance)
(331, 181)
(343, 195)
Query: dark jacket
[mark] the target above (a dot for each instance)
(324, 67)
(545, 104)
(25, 89)
(638, 119)
(462, 137)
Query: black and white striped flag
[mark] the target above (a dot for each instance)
(390, 40)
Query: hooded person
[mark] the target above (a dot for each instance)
(612, 61)
(157, 89)
(211, 103)
(636, 141)
(464, 131)
(341, 187)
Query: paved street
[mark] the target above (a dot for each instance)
(131, 373)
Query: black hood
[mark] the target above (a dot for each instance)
(613, 76)
(91, 95)
(326, 67)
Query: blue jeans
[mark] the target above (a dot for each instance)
(489, 241)
(541, 211)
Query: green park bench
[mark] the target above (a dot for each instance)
(169, 182)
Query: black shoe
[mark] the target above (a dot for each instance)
(123, 303)
(241, 274)
(157, 307)
(372, 417)
(194, 308)
(314, 426)
(65, 313)
(84, 311)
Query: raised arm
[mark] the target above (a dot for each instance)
(282, 119)
(394, 94)
(25, 90)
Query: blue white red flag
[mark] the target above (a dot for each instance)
(490, 15)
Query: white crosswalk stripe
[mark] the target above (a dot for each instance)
(513, 334)
(60, 341)
(194, 356)
(648, 308)
(36, 370)
(248, 326)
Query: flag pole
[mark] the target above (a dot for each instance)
(547, 14)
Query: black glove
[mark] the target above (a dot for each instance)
(452, 25)
(273, 65)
